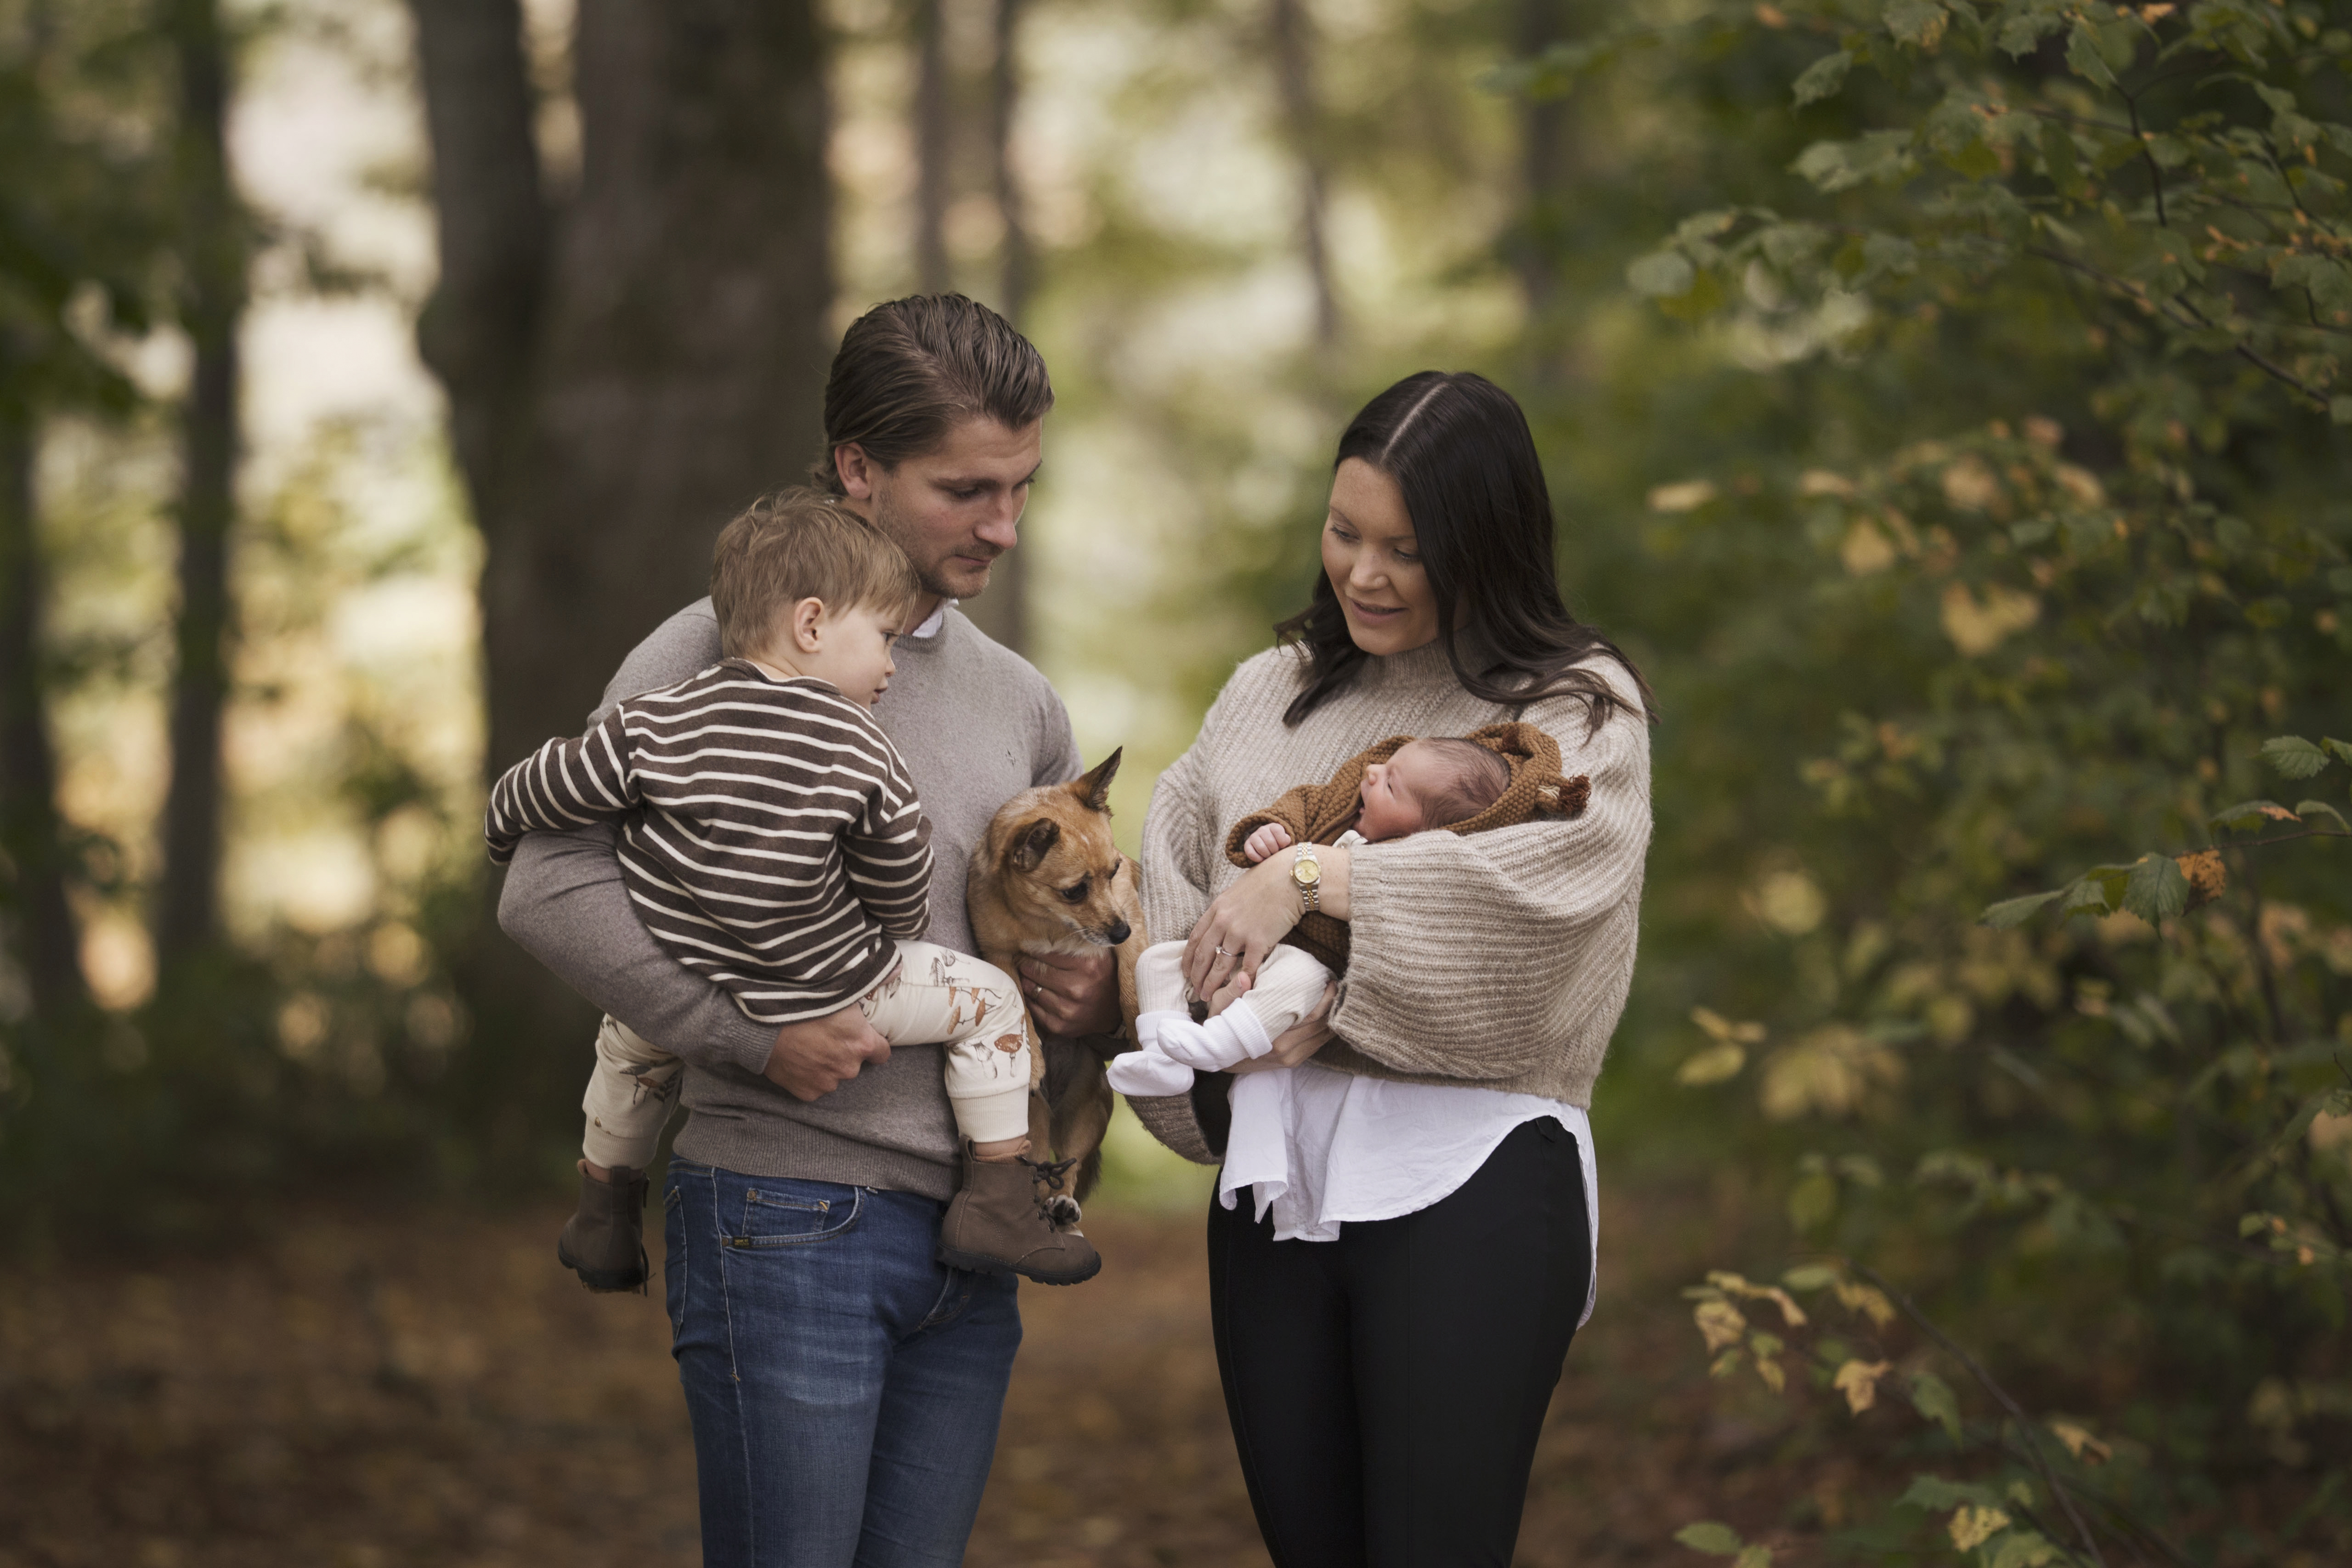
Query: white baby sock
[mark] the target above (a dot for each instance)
(1175, 1047)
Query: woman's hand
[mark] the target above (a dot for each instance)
(1245, 921)
(1299, 1041)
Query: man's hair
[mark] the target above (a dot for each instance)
(1475, 779)
(797, 544)
(910, 371)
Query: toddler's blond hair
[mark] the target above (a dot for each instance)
(798, 544)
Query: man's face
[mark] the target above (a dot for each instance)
(955, 508)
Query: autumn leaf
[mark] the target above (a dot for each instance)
(1973, 1526)
(1858, 1381)
(2080, 1443)
(1720, 1323)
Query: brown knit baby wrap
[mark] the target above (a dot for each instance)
(1319, 813)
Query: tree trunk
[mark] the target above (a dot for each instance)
(1004, 611)
(1545, 165)
(934, 147)
(625, 374)
(1294, 72)
(31, 835)
(212, 253)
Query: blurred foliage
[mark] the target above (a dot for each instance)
(1941, 401)
(2005, 536)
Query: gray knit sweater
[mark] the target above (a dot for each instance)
(1500, 959)
(977, 725)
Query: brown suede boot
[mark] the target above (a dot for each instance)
(995, 1224)
(604, 1241)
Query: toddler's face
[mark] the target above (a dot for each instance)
(1393, 792)
(853, 652)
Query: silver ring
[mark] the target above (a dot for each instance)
(1223, 954)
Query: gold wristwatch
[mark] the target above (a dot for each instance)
(1306, 875)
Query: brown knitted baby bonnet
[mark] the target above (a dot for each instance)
(1319, 813)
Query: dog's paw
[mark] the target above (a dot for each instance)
(1063, 1210)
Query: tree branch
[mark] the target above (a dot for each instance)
(2184, 314)
(2001, 1396)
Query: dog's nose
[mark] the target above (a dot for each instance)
(1117, 933)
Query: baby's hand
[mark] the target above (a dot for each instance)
(1274, 836)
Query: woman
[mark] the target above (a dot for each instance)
(1386, 1388)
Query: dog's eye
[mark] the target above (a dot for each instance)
(1077, 892)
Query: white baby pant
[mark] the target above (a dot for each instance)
(1171, 1046)
(936, 996)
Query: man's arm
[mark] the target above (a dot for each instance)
(565, 904)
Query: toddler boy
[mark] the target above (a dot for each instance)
(772, 840)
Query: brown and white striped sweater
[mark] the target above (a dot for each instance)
(770, 837)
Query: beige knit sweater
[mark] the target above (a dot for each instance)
(1501, 959)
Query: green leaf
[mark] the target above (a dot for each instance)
(1916, 22)
(1661, 274)
(1975, 161)
(1934, 1398)
(1753, 1557)
(2015, 912)
(1708, 1536)
(2087, 896)
(2339, 408)
(2157, 891)
(2021, 1549)
(1812, 1201)
(2293, 756)
(2247, 815)
(2306, 809)
(1810, 1276)
(1825, 76)
(2342, 752)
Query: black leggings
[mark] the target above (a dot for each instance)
(1387, 1389)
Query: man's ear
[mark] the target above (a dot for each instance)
(857, 472)
(802, 629)
(1034, 842)
(1094, 788)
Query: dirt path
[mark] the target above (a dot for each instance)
(429, 1389)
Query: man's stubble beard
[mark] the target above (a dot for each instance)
(927, 572)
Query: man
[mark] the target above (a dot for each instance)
(845, 1388)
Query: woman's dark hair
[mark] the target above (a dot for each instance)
(1459, 448)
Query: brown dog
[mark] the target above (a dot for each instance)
(1047, 878)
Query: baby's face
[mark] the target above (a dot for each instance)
(1393, 792)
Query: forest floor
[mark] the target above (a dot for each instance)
(427, 1387)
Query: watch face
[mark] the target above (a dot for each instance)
(1306, 873)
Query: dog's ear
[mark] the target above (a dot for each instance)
(1033, 842)
(1094, 788)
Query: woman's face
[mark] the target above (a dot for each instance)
(1374, 565)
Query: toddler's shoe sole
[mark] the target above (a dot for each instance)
(607, 1281)
(985, 1263)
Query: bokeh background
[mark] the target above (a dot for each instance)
(1940, 403)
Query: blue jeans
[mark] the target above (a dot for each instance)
(845, 1389)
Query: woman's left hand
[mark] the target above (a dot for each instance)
(1243, 923)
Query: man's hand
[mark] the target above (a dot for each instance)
(1272, 837)
(1072, 993)
(818, 1055)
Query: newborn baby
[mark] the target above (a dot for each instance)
(1502, 775)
